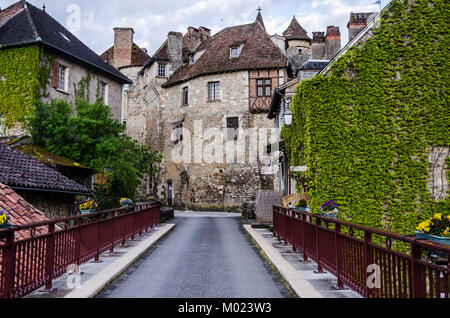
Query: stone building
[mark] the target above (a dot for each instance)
(70, 62)
(357, 22)
(200, 91)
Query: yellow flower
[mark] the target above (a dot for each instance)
(438, 216)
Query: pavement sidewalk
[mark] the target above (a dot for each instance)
(94, 277)
(299, 275)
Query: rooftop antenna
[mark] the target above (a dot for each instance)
(379, 3)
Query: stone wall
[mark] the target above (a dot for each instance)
(54, 205)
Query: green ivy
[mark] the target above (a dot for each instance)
(367, 124)
(24, 75)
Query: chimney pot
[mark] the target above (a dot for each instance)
(123, 46)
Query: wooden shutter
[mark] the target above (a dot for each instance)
(55, 75)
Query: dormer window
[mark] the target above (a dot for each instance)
(234, 52)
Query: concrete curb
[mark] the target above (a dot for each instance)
(300, 286)
(95, 285)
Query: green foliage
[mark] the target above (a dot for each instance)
(24, 74)
(367, 124)
(90, 136)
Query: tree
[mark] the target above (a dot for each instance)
(92, 137)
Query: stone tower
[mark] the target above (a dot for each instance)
(298, 45)
(123, 46)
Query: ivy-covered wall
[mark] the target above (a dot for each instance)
(18, 82)
(366, 125)
(24, 73)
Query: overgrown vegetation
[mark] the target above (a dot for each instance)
(24, 75)
(88, 134)
(367, 125)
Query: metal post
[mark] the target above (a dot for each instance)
(9, 265)
(97, 255)
(337, 257)
(305, 257)
(50, 257)
(368, 260)
(319, 265)
(416, 276)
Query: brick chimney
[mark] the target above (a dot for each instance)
(204, 32)
(123, 46)
(357, 22)
(332, 42)
(175, 49)
(318, 46)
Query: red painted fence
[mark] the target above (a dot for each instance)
(26, 265)
(335, 246)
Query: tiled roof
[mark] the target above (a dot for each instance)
(295, 31)
(21, 212)
(31, 25)
(138, 57)
(23, 171)
(259, 52)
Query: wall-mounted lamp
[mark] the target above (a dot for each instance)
(287, 113)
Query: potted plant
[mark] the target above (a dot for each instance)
(125, 202)
(329, 209)
(88, 207)
(5, 219)
(436, 229)
(152, 199)
(301, 205)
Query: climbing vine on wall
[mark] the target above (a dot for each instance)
(368, 123)
(24, 74)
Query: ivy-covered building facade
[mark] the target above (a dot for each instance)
(373, 127)
(40, 59)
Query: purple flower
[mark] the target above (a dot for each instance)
(329, 206)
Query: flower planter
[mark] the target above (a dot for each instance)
(125, 205)
(435, 239)
(303, 209)
(330, 215)
(4, 227)
(83, 212)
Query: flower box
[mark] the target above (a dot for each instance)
(303, 209)
(330, 215)
(436, 239)
(83, 212)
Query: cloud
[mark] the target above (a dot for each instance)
(153, 19)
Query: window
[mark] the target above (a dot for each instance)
(2, 125)
(104, 93)
(232, 128)
(300, 51)
(264, 87)
(177, 132)
(185, 96)
(161, 70)
(62, 78)
(213, 91)
(234, 52)
(124, 122)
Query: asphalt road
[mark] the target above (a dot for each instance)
(203, 257)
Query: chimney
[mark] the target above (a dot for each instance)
(332, 42)
(357, 22)
(204, 32)
(123, 46)
(175, 49)
(318, 46)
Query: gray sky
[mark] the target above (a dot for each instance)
(153, 19)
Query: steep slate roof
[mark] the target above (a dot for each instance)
(19, 170)
(21, 212)
(295, 31)
(259, 52)
(138, 56)
(30, 25)
(161, 54)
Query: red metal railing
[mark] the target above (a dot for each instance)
(26, 265)
(367, 264)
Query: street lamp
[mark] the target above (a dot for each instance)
(288, 113)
